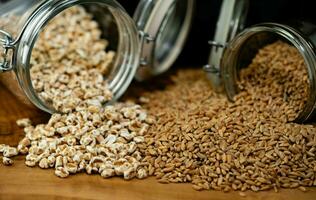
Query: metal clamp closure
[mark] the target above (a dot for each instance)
(216, 44)
(147, 41)
(213, 69)
(215, 47)
(6, 45)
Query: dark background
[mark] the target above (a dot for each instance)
(196, 50)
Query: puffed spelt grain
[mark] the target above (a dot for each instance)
(68, 67)
(10, 151)
(89, 141)
(69, 62)
(7, 161)
(25, 122)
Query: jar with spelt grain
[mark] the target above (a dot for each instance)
(63, 55)
(281, 62)
(272, 60)
(58, 55)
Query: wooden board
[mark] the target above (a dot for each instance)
(21, 182)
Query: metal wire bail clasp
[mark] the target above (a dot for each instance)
(5, 47)
(210, 68)
(213, 68)
(147, 42)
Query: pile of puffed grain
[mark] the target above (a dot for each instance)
(69, 62)
(249, 144)
(93, 140)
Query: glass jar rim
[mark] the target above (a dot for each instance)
(154, 20)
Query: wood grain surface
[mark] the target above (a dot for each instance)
(21, 182)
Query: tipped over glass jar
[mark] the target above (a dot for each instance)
(141, 47)
(231, 53)
(240, 51)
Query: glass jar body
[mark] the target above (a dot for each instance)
(240, 51)
(115, 25)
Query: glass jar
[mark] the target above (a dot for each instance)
(164, 26)
(144, 50)
(231, 21)
(241, 50)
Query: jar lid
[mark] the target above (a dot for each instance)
(231, 20)
(163, 26)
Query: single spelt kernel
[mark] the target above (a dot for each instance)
(7, 161)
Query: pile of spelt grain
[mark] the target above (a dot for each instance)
(202, 138)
